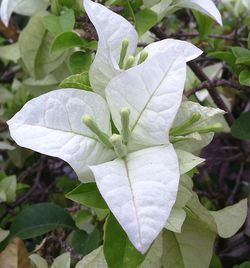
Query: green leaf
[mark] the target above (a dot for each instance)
(145, 19)
(226, 56)
(3, 234)
(80, 62)
(187, 161)
(87, 194)
(124, 255)
(248, 41)
(38, 262)
(30, 40)
(8, 189)
(34, 44)
(185, 192)
(193, 248)
(176, 220)
(39, 219)
(10, 52)
(241, 127)
(204, 22)
(243, 60)
(243, 265)
(230, 219)
(80, 81)
(68, 40)
(240, 52)
(244, 77)
(84, 243)
(154, 255)
(93, 260)
(199, 213)
(62, 261)
(215, 262)
(59, 24)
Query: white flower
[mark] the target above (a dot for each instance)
(136, 170)
(112, 30)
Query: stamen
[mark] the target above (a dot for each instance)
(176, 131)
(143, 57)
(204, 129)
(91, 124)
(123, 52)
(119, 147)
(130, 62)
(124, 113)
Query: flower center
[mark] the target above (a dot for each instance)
(129, 62)
(116, 142)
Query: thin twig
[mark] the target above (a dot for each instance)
(217, 83)
(230, 199)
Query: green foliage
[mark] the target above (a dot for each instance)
(241, 128)
(39, 219)
(145, 19)
(124, 255)
(87, 194)
(68, 40)
(80, 62)
(8, 189)
(59, 24)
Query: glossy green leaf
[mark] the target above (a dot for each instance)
(80, 62)
(204, 22)
(87, 194)
(240, 52)
(68, 40)
(80, 81)
(39, 219)
(124, 255)
(145, 19)
(243, 60)
(245, 77)
(241, 127)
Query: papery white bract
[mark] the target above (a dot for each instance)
(166, 7)
(207, 7)
(51, 124)
(112, 29)
(24, 7)
(140, 191)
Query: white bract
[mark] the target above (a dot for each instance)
(23, 7)
(136, 169)
(166, 7)
(112, 29)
